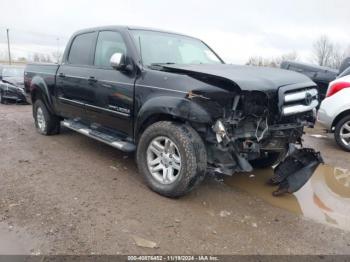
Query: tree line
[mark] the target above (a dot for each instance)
(324, 53)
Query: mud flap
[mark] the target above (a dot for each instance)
(292, 173)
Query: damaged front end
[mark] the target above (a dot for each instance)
(256, 114)
(260, 130)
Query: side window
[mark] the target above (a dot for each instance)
(82, 49)
(108, 43)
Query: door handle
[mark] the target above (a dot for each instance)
(92, 79)
(61, 75)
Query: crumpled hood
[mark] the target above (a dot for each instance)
(248, 78)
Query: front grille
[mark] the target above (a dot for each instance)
(297, 100)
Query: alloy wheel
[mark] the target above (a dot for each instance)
(41, 119)
(163, 160)
(345, 133)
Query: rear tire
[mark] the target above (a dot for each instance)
(185, 153)
(271, 159)
(342, 133)
(45, 122)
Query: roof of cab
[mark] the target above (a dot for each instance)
(127, 27)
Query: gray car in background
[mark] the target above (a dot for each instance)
(12, 84)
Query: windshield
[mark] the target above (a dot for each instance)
(12, 72)
(167, 48)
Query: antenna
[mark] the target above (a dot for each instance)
(140, 52)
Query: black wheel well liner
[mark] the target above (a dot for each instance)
(153, 119)
(39, 92)
(36, 94)
(165, 108)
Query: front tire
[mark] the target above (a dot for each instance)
(172, 158)
(45, 122)
(342, 133)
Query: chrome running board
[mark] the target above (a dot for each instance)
(104, 137)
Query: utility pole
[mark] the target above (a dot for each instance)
(8, 45)
(58, 50)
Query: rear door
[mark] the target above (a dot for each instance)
(113, 104)
(75, 83)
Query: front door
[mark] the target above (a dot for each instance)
(113, 103)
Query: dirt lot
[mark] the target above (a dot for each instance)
(69, 194)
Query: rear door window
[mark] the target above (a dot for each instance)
(82, 49)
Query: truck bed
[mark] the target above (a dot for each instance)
(41, 69)
(47, 72)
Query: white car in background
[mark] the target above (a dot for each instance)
(334, 113)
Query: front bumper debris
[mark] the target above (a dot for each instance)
(292, 173)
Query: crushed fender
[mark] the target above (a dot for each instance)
(292, 173)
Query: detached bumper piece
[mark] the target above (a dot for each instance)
(291, 174)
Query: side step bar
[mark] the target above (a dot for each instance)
(108, 139)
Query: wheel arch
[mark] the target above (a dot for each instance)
(39, 90)
(169, 109)
(339, 117)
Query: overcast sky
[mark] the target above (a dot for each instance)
(235, 29)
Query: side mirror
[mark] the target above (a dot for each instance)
(117, 61)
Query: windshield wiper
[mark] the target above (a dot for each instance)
(160, 64)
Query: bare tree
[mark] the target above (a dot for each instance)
(36, 57)
(292, 56)
(3, 55)
(22, 59)
(41, 57)
(48, 59)
(323, 50)
(57, 56)
(257, 61)
(337, 57)
(272, 61)
(347, 51)
(327, 53)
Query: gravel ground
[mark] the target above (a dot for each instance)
(68, 194)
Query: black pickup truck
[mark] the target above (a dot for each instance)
(173, 100)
